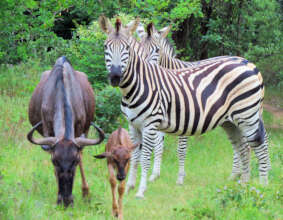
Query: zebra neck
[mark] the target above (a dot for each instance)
(134, 78)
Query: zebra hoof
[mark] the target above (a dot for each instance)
(153, 177)
(180, 181)
(263, 180)
(234, 176)
(129, 188)
(139, 195)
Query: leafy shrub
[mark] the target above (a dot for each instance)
(86, 51)
(108, 111)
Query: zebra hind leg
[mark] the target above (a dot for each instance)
(257, 138)
(182, 150)
(236, 169)
(241, 158)
(158, 151)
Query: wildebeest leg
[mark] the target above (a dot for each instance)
(85, 187)
(121, 190)
(112, 180)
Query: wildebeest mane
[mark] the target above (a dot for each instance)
(60, 87)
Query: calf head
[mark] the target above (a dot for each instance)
(119, 156)
(65, 156)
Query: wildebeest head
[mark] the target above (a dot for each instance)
(65, 156)
(120, 157)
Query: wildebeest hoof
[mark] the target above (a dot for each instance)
(85, 192)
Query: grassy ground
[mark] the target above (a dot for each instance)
(28, 188)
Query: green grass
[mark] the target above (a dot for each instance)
(28, 187)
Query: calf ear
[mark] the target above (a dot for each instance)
(103, 155)
(134, 146)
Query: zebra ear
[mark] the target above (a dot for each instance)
(141, 31)
(105, 24)
(165, 31)
(132, 26)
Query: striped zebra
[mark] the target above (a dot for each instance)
(153, 40)
(186, 102)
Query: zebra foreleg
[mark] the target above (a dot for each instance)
(150, 140)
(135, 158)
(182, 150)
(158, 151)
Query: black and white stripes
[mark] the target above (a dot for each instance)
(187, 102)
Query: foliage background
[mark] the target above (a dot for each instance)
(41, 31)
(34, 33)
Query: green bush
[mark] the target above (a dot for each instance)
(108, 110)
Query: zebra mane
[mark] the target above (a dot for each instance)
(118, 25)
(149, 29)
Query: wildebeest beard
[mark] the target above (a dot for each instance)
(65, 184)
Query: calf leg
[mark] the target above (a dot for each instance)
(85, 187)
(112, 180)
(121, 190)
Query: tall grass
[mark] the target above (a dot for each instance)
(28, 187)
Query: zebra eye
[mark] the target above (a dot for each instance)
(127, 47)
(157, 50)
(105, 46)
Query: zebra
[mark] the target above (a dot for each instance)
(153, 40)
(185, 102)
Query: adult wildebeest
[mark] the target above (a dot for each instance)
(61, 110)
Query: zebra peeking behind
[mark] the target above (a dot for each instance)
(194, 100)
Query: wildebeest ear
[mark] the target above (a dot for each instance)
(103, 155)
(165, 31)
(105, 24)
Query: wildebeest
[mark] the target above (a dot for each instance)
(61, 110)
(118, 153)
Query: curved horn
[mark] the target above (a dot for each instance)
(81, 141)
(41, 141)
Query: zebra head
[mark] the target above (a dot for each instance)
(155, 42)
(117, 47)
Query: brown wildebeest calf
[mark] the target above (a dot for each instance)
(118, 153)
(61, 110)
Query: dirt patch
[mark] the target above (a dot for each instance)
(277, 114)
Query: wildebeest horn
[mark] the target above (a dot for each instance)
(81, 141)
(41, 141)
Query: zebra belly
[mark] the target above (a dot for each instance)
(136, 120)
